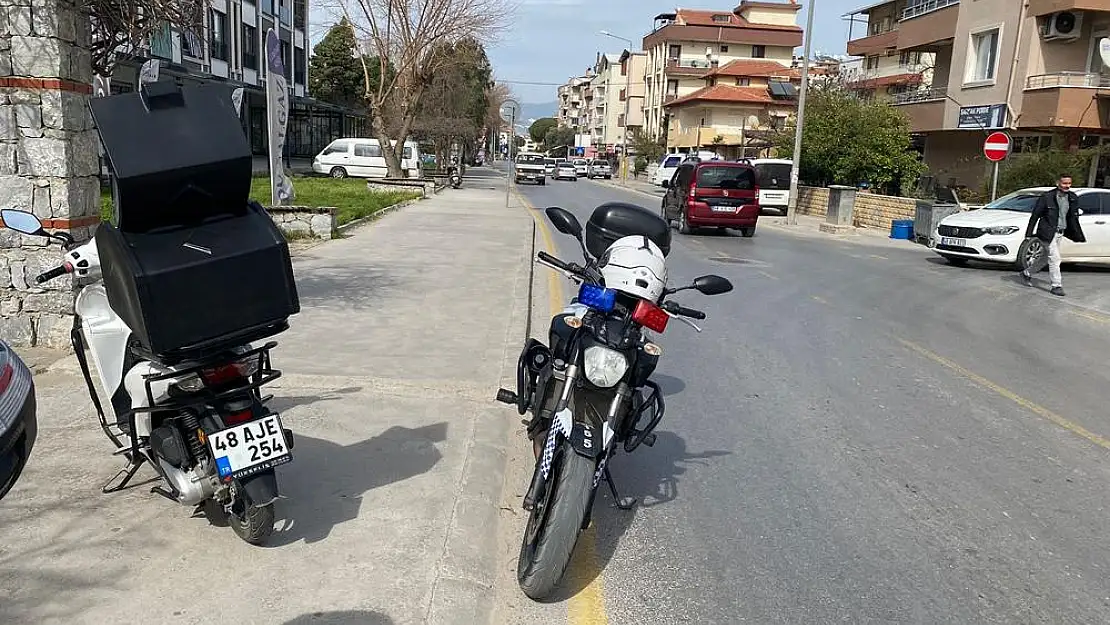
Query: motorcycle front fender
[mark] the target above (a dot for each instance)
(260, 489)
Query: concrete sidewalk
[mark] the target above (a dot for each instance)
(408, 326)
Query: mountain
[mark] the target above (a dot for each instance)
(533, 110)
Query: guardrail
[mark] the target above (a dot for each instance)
(1067, 79)
(931, 94)
(927, 6)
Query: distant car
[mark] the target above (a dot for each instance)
(996, 232)
(549, 166)
(565, 171)
(712, 194)
(582, 167)
(773, 177)
(600, 169)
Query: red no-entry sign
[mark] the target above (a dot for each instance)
(997, 146)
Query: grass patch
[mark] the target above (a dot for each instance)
(348, 195)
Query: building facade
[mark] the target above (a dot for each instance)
(686, 45)
(1031, 68)
(617, 89)
(879, 70)
(231, 51)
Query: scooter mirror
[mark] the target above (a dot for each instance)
(564, 221)
(712, 285)
(21, 221)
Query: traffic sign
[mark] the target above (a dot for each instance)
(510, 111)
(997, 146)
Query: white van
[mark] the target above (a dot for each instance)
(773, 177)
(670, 163)
(362, 158)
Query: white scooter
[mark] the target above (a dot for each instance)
(202, 426)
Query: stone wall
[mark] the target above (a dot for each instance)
(426, 188)
(48, 161)
(877, 211)
(813, 201)
(304, 221)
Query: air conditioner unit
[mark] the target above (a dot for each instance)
(1062, 26)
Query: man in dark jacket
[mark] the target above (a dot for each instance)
(1055, 215)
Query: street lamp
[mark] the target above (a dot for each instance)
(792, 203)
(627, 100)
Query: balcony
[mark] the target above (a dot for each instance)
(670, 97)
(1065, 100)
(1038, 8)
(924, 107)
(928, 25)
(677, 67)
(875, 44)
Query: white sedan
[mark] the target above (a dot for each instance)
(996, 232)
(565, 171)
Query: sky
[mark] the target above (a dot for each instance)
(552, 40)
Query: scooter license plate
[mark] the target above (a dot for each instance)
(246, 449)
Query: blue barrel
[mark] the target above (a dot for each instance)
(901, 229)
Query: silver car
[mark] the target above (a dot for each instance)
(601, 169)
(565, 171)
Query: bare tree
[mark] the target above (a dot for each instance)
(121, 27)
(406, 37)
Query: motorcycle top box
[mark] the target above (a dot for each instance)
(614, 220)
(164, 172)
(189, 262)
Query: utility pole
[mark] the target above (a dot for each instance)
(792, 203)
(627, 102)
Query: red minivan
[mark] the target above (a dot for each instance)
(712, 194)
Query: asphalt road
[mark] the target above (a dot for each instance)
(861, 434)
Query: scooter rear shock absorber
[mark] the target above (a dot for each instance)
(192, 426)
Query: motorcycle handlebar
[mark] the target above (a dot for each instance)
(60, 270)
(558, 264)
(677, 309)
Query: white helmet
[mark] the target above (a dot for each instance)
(636, 266)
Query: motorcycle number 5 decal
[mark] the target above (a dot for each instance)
(585, 441)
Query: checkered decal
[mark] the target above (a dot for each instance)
(600, 469)
(549, 446)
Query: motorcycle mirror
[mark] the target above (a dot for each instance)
(666, 184)
(712, 285)
(21, 221)
(564, 221)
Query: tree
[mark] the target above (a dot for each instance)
(335, 72)
(454, 110)
(850, 141)
(645, 145)
(538, 129)
(498, 94)
(559, 137)
(119, 28)
(410, 35)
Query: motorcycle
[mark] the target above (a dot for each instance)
(18, 421)
(454, 178)
(589, 391)
(202, 425)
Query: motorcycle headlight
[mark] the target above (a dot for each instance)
(1002, 230)
(604, 367)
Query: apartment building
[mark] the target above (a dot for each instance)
(1030, 67)
(573, 111)
(737, 110)
(879, 70)
(686, 45)
(231, 50)
(618, 88)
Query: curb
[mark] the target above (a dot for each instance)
(465, 583)
(378, 215)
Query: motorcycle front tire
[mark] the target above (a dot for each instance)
(542, 563)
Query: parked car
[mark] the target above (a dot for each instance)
(581, 167)
(712, 194)
(362, 158)
(667, 167)
(772, 176)
(18, 418)
(549, 166)
(566, 171)
(996, 232)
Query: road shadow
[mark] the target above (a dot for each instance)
(343, 617)
(283, 403)
(326, 481)
(343, 285)
(651, 475)
(668, 384)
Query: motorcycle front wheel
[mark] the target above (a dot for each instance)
(554, 524)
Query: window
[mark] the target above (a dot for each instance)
(726, 177)
(724, 49)
(624, 95)
(191, 45)
(368, 150)
(909, 58)
(743, 82)
(1091, 203)
(982, 58)
(873, 62)
(620, 121)
(336, 147)
(722, 19)
(298, 66)
(672, 87)
(674, 52)
(773, 176)
(759, 52)
(250, 47)
(300, 11)
(218, 32)
(407, 153)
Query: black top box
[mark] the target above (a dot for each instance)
(177, 155)
(614, 220)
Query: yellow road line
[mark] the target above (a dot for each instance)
(879, 257)
(1035, 408)
(1090, 315)
(587, 607)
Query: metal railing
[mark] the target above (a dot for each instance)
(931, 94)
(1067, 79)
(691, 64)
(926, 6)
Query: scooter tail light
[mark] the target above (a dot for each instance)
(650, 316)
(236, 418)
